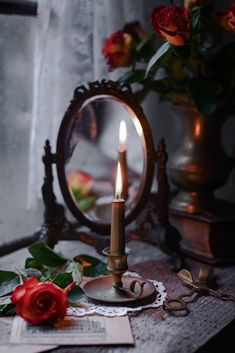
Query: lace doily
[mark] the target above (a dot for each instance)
(89, 307)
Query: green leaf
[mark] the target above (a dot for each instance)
(77, 271)
(75, 294)
(62, 280)
(146, 49)
(77, 192)
(133, 76)
(31, 272)
(157, 56)
(45, 255)
(195, 16)
(32, 263)
(8, 281)
(86, 203)
(7, 310)
(161, 86)
(141, 94)
(92, 266)
(203, 93)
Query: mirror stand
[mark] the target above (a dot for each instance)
(55, 223)
(153, 225)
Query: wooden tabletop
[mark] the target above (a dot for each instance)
(154, 330)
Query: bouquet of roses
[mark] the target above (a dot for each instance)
(192, 67)
(47, 286)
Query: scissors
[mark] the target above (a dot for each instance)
(201, 286)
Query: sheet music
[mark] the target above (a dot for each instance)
(74, 331)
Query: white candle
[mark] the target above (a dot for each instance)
(122, 157)
(117, 238)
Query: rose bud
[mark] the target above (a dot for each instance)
(81, 181)
(172, 23)
(118, 49)
(226, 19)
(193, 3)
(38, 301)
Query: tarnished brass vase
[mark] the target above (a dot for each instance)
(200, 165)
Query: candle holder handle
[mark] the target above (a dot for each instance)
(135, 289)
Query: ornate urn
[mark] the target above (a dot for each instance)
(200, 165)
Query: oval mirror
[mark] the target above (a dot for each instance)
(104, 125)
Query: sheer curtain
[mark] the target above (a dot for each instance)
(70, 36)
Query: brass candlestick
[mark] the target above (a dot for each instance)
(117, 265)
(116, 288)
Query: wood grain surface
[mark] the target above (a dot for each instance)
(155, 330)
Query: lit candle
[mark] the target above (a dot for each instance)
(122, 157)
(117, 238)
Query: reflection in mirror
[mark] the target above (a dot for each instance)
(102, 132)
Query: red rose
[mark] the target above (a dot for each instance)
(81, 181)
(118, 49)
(226, 19)
(172, 23)
(40, 301)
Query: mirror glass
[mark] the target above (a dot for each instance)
(103, 131)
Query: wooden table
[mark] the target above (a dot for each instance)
(156, 330)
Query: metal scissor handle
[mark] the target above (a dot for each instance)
(175, 304)
(179, 303)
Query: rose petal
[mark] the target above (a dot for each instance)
(21, 288)
(226, 19)
(172, 23)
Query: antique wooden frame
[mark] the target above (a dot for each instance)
(123, 94)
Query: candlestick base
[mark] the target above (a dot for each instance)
(102, 289)
(116, 288)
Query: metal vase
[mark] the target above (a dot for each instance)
(200, 165)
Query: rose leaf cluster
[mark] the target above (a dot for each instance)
(195, 64)
(47, 286)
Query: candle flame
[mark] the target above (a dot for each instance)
(122, 132)
(118, 190)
